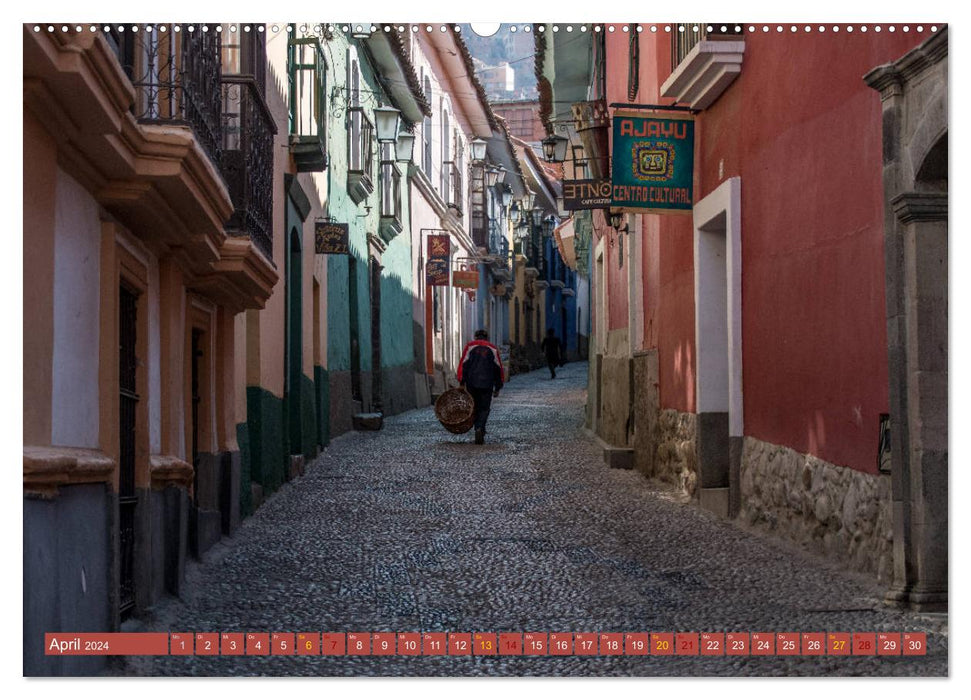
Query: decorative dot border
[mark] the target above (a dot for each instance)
(513, 28)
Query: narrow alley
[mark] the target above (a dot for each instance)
(412, 529)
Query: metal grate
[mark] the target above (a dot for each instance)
(247, 160)
(687, 35)
(176, 78)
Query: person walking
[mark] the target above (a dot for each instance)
(480, 371)
(553, 348)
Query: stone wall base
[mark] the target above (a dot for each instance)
(838, 512)
(676, 457)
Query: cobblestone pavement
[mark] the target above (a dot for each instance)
(414, 529)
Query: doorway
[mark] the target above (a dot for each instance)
(718, 327)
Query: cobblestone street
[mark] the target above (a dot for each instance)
(414, 529)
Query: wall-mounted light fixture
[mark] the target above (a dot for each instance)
(478, 149)
(618, 221)
(405, 147)
(537, 216)
(554, 148)
(515, 215)
(549, 223)
(491, 177)
(386, 123)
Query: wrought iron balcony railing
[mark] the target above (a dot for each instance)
(176, 78)
(247, 160)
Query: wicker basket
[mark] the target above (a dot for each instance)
(455, 410)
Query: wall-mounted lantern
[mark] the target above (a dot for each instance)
(537, 216)
(361, 30)
(405, 147)
(528, 200)
(554, 148)
(492, 177)
(478, 149)
(386, 122)
(618, 221)
(515, 215)
(549, 223)
(506, 196)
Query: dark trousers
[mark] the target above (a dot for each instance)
(483, 403)
(552, 362)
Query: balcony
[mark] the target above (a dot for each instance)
(452, 187)
(308, 109)
(176, 79)
(247, 160)
(481, 225)
(360, 154)
(703, 63)
(141, 119)
(390, 225)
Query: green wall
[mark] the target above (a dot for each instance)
(245, 470)
(267, 439)
(322, 386)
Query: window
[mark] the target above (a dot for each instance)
(426, 134)
(306, 76)
(446, 153)
(360, 135)
(391, 224)
(633, 66)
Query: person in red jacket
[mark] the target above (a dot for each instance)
(480, 371)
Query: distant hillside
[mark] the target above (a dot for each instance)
(515, 48)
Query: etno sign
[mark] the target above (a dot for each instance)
(653, 163)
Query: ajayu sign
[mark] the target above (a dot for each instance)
(653, 163)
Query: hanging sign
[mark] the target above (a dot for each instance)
(586, 194)
(466, 279)
(437, 264)
(653, 163)
(330, 238)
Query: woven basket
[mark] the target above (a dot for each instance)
(455, 410)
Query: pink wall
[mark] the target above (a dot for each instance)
(803, 132)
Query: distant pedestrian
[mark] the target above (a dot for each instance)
(480, 371)
(553, 348)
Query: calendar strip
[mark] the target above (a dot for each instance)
(470, 644)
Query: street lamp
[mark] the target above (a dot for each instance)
(501, 174)
(522, 230)
(617, 220)
(515, 215)
(492, 177)
(528, 200)
(554, 148)
(386, 122)
(405, 147)
(478, 149)
(549, 223)
(361, 30)
(506, 196)
(537, 216)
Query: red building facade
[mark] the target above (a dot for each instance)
(742, 352)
